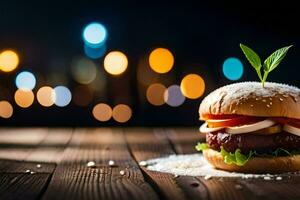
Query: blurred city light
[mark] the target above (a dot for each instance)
(63, 96)
(233, 68)
(24, 98)
(121, 113)
(6, 109)
(46, 96)
(83, 70)
(9, 60)
(96, 52)
(161, 60)
(173, 96)
(82, 95)
(115, 62)
(25, 80)
(192, 86)
(155, 94)
(102, 112)
(94, 34)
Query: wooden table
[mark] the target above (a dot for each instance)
(41, 163)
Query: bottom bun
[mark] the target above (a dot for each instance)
(255, 165)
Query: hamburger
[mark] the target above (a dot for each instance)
(252, 129)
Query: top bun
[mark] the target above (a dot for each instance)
(252, 99)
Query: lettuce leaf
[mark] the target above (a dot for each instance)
(241, 159)
(235, 158)
(201, 146)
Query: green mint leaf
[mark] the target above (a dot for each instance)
(275, 58)
(252, 57)
(201, 146)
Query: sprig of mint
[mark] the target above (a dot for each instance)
(269, 64)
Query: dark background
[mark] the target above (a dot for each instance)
(200, 34)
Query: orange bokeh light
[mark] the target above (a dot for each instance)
(24, 98)
(155, 94)
(6, 109)
(161, 60)
(122, 113)
(9, 60)
(46, 96)
(192, 86)
(102, 112)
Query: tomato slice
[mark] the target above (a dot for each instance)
(237, 121)
(227, 116)
(289, 121)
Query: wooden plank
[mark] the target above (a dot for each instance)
(14, 186)
(72, 179)
(287, 188)
(145, 144)
(184, 140)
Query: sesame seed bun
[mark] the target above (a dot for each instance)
(255, 165)
(252, 99)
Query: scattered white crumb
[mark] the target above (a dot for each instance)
(207, 177)
(195, 165)
(122, 172)
(27, 171)
(38, 166)
(278, 178)
(111, 163)
(32, 172)
(91, 164)
(176, 176)
(143, 163)
(267, 178)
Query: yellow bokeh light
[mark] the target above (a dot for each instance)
(161, 60)
(102, 112)
(6, 109)
(24, 98)
(192, 86)
(46, 96)
(122, 113)
(115, 62)
(155, 94)
(9, 60)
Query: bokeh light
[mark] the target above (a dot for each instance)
(102, 112)
(96, 52)
(46, 96)
(115, 62)
(63, 96)
(82, 95)
(155, 94)
(161, 60)
(83, 70)
(233, 68)
(25, 80)
(6, 109)
(24, 98)
(122, 113)
(9, 60)
(192, 86)
(173, 96)
(94, 34)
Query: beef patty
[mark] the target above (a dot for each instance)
(247, 142)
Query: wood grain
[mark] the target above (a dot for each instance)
(14, 186)
(145, 144)
(72, 179)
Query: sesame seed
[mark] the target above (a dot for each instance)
(111, 163)
(268, 106)
(264, 100)
(278, 178)
(122, 172)
(38, 166)
(280, 99)
(27, 171)
(233, 111)
(256, 99)
(91, 164)
(270, 99)
(285, 95)
(251, 105)
(270, 103)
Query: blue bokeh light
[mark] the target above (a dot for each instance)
(233, 68)
(63, 96)
(94, 34)
(96, 52)
(25, 80)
